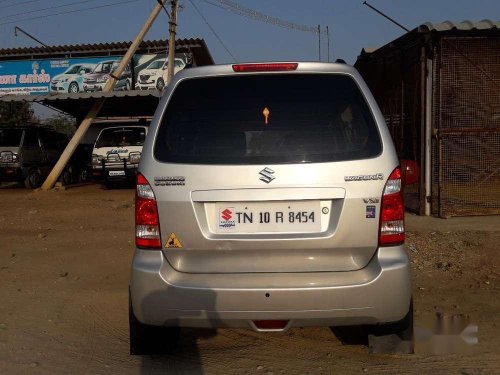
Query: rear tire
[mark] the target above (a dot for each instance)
(33, 180)
(66, 177)
(151, 340)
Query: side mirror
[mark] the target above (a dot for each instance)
(81, 72)
(410, 172)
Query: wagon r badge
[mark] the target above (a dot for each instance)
(267, 175)
(365, 177)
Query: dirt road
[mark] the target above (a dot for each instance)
(64, 271)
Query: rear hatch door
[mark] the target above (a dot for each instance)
(260, 173)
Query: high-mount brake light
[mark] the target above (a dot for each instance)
(147, 222)
(269, 67)
(392, 212)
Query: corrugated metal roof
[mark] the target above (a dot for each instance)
(484, 27)
(464, 25)
(369, 49)
(81, 95)
(180, 45)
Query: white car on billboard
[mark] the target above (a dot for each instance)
(71, 81)
(155, 74)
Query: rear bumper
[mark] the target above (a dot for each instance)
(378, 293)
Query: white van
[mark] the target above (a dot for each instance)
(117, 152)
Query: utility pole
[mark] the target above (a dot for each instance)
(171, 42)
(319, 43)
(96, 107)
(328, 42)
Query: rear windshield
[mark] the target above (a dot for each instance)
(121, 137)
(10, 137)
(255, 119)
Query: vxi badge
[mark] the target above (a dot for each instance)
(267, 175)
(365, 177)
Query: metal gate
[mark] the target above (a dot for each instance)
(466, 114)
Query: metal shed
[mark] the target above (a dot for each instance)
(438, 87)
(131, 103)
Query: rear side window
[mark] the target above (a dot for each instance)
(10, 137)
(260, 119)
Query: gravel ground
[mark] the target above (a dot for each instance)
(64, 271)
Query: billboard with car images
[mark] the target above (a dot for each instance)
(89, 74)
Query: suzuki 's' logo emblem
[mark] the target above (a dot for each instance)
(226, 214)
(267, 175)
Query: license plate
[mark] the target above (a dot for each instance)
(268, 217)
(116, 173)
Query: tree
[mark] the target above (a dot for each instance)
(16, 113)
(61, 123)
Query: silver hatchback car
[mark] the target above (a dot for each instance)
(269, 196)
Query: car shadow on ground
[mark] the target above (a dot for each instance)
(186, 359)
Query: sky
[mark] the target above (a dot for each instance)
(352, 25)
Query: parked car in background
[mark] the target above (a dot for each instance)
(97, 79)
(269, 196)
(155, 75)
(71, 81)
(27, 154)
(117, 152)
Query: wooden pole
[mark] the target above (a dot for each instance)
(96, 107)
(171, 41)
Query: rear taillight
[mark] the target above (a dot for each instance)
(147, 223)
(392, 231)
(267, 67)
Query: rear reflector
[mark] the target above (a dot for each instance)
(392, 231)
(273, 67)
(270, 324)
(147, 223)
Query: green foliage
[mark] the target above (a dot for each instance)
(16, 113)
(61, 123)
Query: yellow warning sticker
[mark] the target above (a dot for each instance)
(173, 242)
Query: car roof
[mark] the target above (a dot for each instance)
(302, 67)
(124, 126)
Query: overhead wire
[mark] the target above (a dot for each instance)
(255, 15)
(68, 12)
(19, 3)
(49, 8)
(213, 31)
